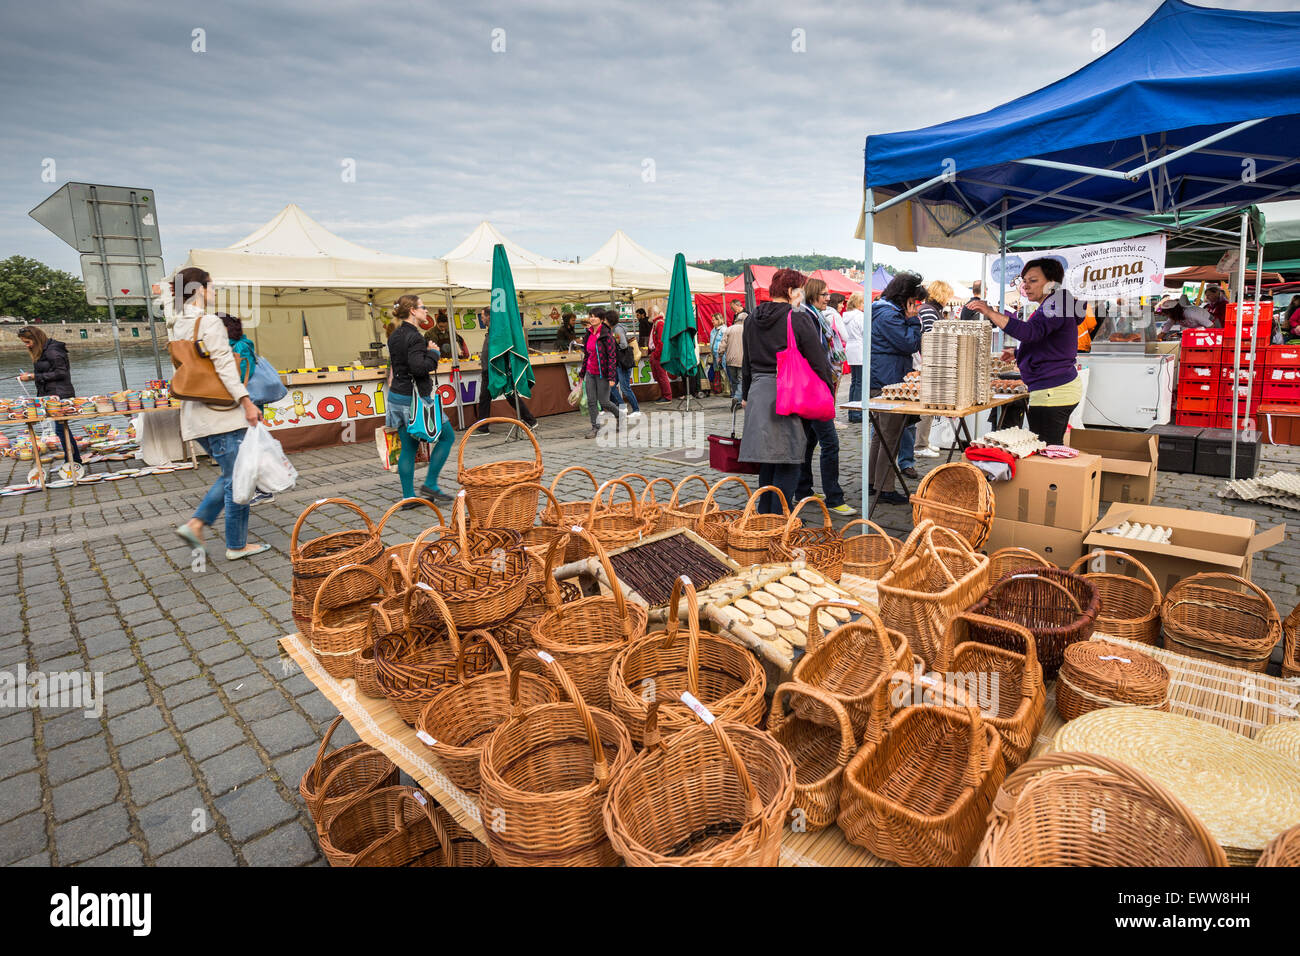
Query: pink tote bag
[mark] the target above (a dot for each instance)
(799, 391)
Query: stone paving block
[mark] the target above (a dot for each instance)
(243, 688)
(292, 766)
(18, 756)
(266, 704)
(174, 673)
(160, 778)
(38, 859)
(290, 845)
(99, 644)
(219, 653)
(128, 854)
(145, 630)
(283, 733)
(112, 661)
(134, 725)
(169, 822)
(232, 768)
(129, 676)
(208, 850)
(253, 809)
(159, 654)
(208, 637)
(243, 621)
(186, 691)
(213, 738)
(19, 795)
(22, 837)
(86, 793)
(47, 637)
(16, 726)
(126, 699)
(92, 834)
(147, 749)
(318, 706)
(233, 669)
(76, 759)
(61, 727)
(132, 605)
(198, 712)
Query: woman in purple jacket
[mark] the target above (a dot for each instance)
(1049, 346)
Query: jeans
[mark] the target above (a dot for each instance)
(398, 410)
(737, 383)
(1048, 421)
(823, 434)
(624, 391)
(907, 447)
(64, 431)
(855, 392)
(880, 469)
(224, 449)
(485, 406)
(598, 398)
(783, 476)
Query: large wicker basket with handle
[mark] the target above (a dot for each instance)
(869, 554)
(482, 575)
(1291, 645)
(822, 548)
(399, 555)
(1221, 617)
(722, 675)
(545, 772)
(820, 745)
(1080, 809)
(714, 523)
(956, 496)
(1058, 607)
(339, 619)
(483, 484)
(565, 514)
(535, 538)
(751, 535)
(683, 514)
(714, 795)
(1130, 605)
(1006, 560)
(315, 560)
(432, 840)
(366, 819)
(333, 780)
(622, 524)
(1098, 674)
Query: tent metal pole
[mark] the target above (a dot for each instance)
(869, 230)
(1236, 353)
(1201, 144)
(1254, 338)
(895, 200)
(455, 362)
(1074, 168)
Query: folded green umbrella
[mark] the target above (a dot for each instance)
(505, 349)
(681, 354)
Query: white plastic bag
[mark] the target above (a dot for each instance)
(261, 465)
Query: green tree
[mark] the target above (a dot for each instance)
(804, 263)
(32, 291)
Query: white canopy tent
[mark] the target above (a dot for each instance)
(537, 277)
(640, 271)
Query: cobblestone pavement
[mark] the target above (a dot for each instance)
(205, 729)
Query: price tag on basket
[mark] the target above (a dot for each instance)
(420, 798)
(546, 657)
(424, 737)
(699, 709)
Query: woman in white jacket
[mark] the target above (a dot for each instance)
(219, 430)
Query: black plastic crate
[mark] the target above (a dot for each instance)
(1214, 453)
(1177, 446)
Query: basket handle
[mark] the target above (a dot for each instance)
(922, 537)
(889, 540)
(397, 571)
(654, 741)
(542, 489)
(430, 594)
(1124, 555)
(412, 557)
(754, 499)
(379, 528)
(512, 422)
(1005, 803)
(792, 521)
(297, 525)
(595, 502)
(553, 589)
(631, 476)
(958, 633)
(777, 716)
(1224, 576)
(549, 663)
(315, 604)
(648, 496)
(320, 754)
(993, 591)
(684, 585)
(487, 637)
(556, 480)
(708, 499)
(677, 490)
(869, 613)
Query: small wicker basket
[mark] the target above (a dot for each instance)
(483, 484)
(869, 556)
(820, 745)
(957, 496)
(751, 535)
(714, 523)
(822, 548)
(334, 780)
(1007, 560)
(1058, 607)
(1221, 617)
(1096, 674)
(1130, 606)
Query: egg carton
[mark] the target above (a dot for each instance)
(1020, 442)
(1288, 484)
(1245, 489)
(1137, 531)
(1290, 502)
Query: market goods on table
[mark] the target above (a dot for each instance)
(481, 574)
(1221, 617)
(369, 817)
(618, 525)
(714, 523)
(535, 538)
(1099, 674)
(340, 616)
(1006, 560)
(820, 746)
(398, 556)
(315, 560)
(1020, 442)
(649, 569)
(483, 484)
(560, 513)
(1291, 644)
(435, 839)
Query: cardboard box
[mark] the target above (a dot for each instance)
(1061, 546)
(1054, 492)
(1128, 462)
(1201, 542)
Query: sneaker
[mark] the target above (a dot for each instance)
(910, 473)
(435, 495)
(633, 416)
(843, 508)
(818, 494)
(592, 434)
(663, 401)
(484, 431)
(927, 453)
(262, 497)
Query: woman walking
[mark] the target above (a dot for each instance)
(895, 336)
(410, 368)
(52, 373)
(600, 370)
(220, 430)
(776, 443)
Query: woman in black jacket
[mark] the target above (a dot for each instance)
(411, 365)
(777, 442)
(53, 376)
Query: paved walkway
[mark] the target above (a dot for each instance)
(205, 729)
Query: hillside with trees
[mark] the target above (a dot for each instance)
(33, 292)
(804, 263)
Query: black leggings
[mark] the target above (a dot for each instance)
(1048, 421)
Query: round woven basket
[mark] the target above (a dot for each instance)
(535, 538)
(1221, 617)
(314, 561)
(566, 514)
(719, 673)
(1282, 850)
(820, 746)
(822, 548)
(751, 535)
(483, 484)
(334, 780)
(1245, 794)
(1080, 809)
(1283, 737)
(644, 506)
(481, 575)
(868, 555)
(716, 795)
(515, 634)
(1130, 606)
(1058, 607)
(432, 840)
(1096, 674)
(398, 556)
(617, 526)
(366, 819)
(545, 773)
(1005, 561)
(1291, 644)
(340, 620)
(714, 523)
(683, 514)
(956, 496)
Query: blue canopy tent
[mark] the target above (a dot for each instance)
(1164, 124)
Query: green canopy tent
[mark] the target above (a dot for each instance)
(506, 368)
(681, 354)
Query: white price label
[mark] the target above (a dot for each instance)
(424, 737)
(321, 501)
(700, 710)
(420, 798)
(423, 585)
(546, 657)
(1115, 658)
(576, 529)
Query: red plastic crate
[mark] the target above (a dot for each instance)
(1283, 356)
(1244, 376)
(1195, 419)
(1243, 420)
(1263, 319)
(1225, 403)
(1202, 339)
(1200, 355)
(1287, 393)
(1281, 375)
(1199, 372)
(1190, 402)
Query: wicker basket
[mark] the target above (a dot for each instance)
(719, 673)
(586, 635)
(515, 635)
(820, 746)
(1130, 606)
(412, 666)
(450, 844)
(714, 523)
(710, 796)
(365, 820)
(1079, 809)
(544, 776)
(646, 505)
(1007, 560)
(536, 538)
(314, 561)
(822, 548)
(334, 780)
(679, 514)
(464, 714)
(617, 526)
(1096, 675)
(340, 630)
(852, 664)
(398, 556)
(1291, 645)
(1221, 617)
(929, 585)
(483, 484)
(565, 514)
(750, 536)
(1284, 850)
(868, 556)
(1006, 684)
(1058, 607)
(920, 789)
(956, 496)
(483, 575)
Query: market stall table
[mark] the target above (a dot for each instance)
(31, 424)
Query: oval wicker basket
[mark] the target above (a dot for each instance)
(751, 535)
(483, 484)
(1096, 674)
(719, 673)
(714, 523)
(566, 514)
(334, 780)
(398, 556)
(714, 795)
(617, 526)
(1130, 606)
(1214, 616)
(1081, 809)
(956, 496)
(339, 631)
(679, 514)
(869, 556)
(1291, 644)
(1282, 850)
(820, 746)
(1005, 561)
(1058, 607)
(314, 561)
(545, 772)
(481, 575)
(366, 819)
(537, 538)
(432, 840)
(822, 548)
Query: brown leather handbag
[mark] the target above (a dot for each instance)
(196, 378)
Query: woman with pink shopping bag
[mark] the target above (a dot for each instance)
(786, 375)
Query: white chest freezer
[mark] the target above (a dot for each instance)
(1128, 390)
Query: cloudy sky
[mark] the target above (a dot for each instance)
(696, 127)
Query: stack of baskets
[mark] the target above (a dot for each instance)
(751, 536)
(565, 514)
(334, 780)
(820, 745)
(714, 523)
(1058, 607)
(482, 575)
(956, 496)
(1096, 674)
(1221, 617)
(484, 484)
(340, 616)
(821, 548)
(315, 560)
(1130, 606)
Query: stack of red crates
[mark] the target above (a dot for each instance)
(1205, 385)
(1281, 386)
